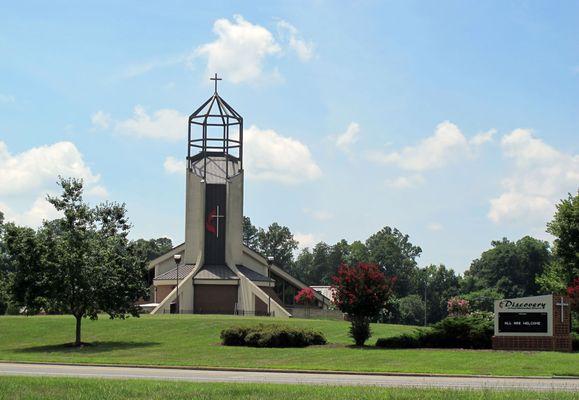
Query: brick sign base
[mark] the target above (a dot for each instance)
(560, 341)
(530, 343)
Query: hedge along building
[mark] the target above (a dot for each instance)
(217, 273)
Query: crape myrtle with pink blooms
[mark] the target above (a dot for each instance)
(361, 292)
(457, 307)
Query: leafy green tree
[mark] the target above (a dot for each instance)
(150, 249)
(277, 242)
(411, 309)
(250, 234)
(565, 228)
(301, 268)
(483, 299)
(511, 267)
(357, 253)
(396, 255)
(80, 264)
(441, 284)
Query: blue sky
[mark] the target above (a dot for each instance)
(455, 122)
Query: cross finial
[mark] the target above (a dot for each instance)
(215, 79)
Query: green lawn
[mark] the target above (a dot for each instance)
(26, 388)
(193, 340)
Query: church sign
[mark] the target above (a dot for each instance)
(529, 316)
(532, 323)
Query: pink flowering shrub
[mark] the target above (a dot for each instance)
(457, 307)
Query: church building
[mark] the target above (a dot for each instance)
(213, 272)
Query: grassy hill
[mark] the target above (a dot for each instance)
(193, 340)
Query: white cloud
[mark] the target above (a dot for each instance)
(435, 227)
(39, 167)
(162, 124)
(405, 182)
(98, 191)
(174, 166)
(303, 48)
(540, 176)
(240, 50)
(26, 178)
(101, 120)
(305, 240)
(272, 157)
(483, 137)
(446, 144)
(348, 138)
(6, 99)
(319, 215)
(40, 210)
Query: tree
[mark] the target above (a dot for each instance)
(565, 228)
(411, 310)
(152, 248)
(511, 267)
(279, 243)
(250, 234)
(80, 264)
(361, 292)
(396, 255)
(441, 284)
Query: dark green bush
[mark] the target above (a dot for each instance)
(473, 331)
(575, 341)
(404, 341)
(271, 336)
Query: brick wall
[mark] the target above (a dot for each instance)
(560, 341)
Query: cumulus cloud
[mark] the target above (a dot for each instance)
(483, 137)
(319, 215)
(40, 211)
(405, 182)
(270, 156)
(101, 120)
(346, 139)
(304, 49)
(39, 167)
(540, 176)
(240, 50)
(447, 144)
(26, 178)
(174, 166)
(165, 124)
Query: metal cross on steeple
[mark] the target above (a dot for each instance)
(215, 79)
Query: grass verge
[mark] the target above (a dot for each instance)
(32, 388)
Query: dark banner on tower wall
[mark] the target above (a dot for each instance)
(215, 224)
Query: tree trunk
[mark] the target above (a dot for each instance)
(78, 342)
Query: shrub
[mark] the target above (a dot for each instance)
(404, 341)
(467, 332)
(575, 341)
(457, 307)
(271, 336)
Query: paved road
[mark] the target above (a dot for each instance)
(287, 377)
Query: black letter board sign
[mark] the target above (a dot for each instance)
(523, 322)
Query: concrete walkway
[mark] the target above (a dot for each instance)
(192, 375)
